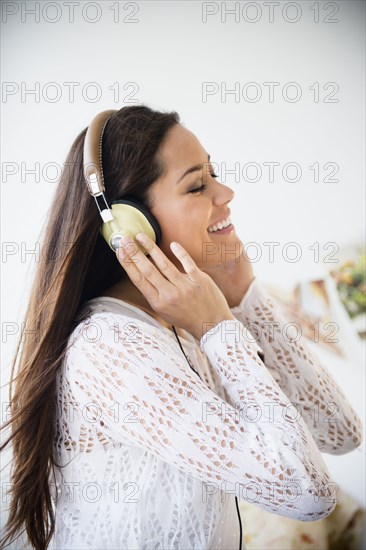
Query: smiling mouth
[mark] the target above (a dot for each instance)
(221, 226)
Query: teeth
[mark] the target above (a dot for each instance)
(220, 225)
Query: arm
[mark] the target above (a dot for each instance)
(328, 414)
(180, 420)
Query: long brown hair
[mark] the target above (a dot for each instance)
(75, 265)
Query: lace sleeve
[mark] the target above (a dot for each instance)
(328, 414)
(264, 456)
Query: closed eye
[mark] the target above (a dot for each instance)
(198, 189)
(203, 186)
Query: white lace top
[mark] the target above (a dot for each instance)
(152, 455)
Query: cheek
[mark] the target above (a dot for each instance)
(184, 224)
(190, 238)
(180, 224)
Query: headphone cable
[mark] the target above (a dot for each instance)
(176, 335)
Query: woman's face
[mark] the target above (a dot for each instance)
(184, 215)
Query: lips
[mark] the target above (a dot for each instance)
(220, 220)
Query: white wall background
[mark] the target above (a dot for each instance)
(164, 52)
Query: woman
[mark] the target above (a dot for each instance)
(121, 440)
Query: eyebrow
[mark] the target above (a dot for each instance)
(194, 168)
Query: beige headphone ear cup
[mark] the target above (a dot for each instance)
(130, 219)
(143, 214)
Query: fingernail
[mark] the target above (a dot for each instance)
(141, 237)
(121, 249)
(174, 246)
(126, 239)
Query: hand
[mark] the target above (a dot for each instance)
(232, 277)
(171, 293)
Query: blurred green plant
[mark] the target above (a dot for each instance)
(351, 284)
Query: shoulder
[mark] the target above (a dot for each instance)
(96, 329)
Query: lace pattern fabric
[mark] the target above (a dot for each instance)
(153, 455)
(331, 419)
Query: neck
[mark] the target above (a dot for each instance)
(127, 291)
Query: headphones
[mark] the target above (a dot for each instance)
(126, 216)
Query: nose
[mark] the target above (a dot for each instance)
(223, 194)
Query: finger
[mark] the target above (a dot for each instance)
(189, 265)
(126, 250)
(130, 266)
(166, 267)
(142, 271)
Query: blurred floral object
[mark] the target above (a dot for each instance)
(351, 284)
(331, 310)
(343, 529)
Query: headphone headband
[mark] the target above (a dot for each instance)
(93, 170)
(124, 216)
